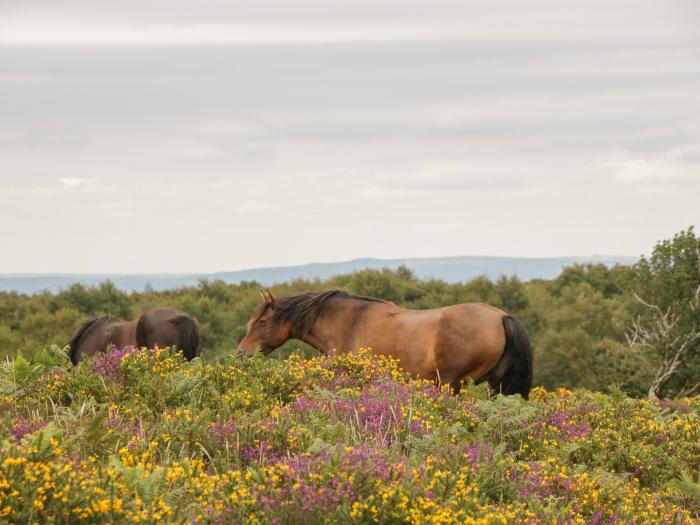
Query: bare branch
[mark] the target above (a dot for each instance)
(692, 389)
(661, 336)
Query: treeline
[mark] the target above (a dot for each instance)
(584, 324)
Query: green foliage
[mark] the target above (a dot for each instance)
(608, 281)
(105, 299)
(580, 327)
(668, 281)
(688, 489)
(670, 276)
(23, 371)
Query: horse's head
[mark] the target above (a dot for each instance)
(264, 331)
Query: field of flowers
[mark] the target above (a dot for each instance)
(143, 436)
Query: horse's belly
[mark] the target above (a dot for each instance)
(413, 349)
(448, 342)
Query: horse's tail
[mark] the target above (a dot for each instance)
(188, 339)
(513, 372)
(73, 343)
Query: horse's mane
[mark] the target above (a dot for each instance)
(303, 309)
(73, 343)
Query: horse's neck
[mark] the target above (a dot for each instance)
(333, 326)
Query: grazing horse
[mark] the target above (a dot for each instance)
(441, 344)
(159, 326)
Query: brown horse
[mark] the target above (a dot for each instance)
(442, 344)
(159, 326)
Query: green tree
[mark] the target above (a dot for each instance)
(666, 328)
(106, 299)
(569, 350)
(512, 294)
(608, 281)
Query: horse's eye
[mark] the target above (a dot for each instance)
(261, 321)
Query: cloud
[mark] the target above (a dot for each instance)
(72, 182)
(178, 22)
(639, 170)
(364, 124)
(251, 207)
(661, 167)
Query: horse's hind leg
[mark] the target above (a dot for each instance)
(455, 386)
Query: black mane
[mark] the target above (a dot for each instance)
(303, 309)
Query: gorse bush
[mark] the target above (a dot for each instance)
(143, 436)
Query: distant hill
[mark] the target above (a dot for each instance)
(450, 269)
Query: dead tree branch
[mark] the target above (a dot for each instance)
(661, 335)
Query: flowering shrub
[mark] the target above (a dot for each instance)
(144, 436)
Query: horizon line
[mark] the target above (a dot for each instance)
(358, 259)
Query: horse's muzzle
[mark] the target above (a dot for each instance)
(244, 352)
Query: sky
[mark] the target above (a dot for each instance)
(179, 136)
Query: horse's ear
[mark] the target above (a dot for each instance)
(271, 299)
(268, 298)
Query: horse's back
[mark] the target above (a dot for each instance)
(468, 320)
(167, 326)
(457, 340)
(94, 336)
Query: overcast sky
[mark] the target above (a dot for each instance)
(178, 136)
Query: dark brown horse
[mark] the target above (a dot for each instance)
(443, 344)
(160, 326)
